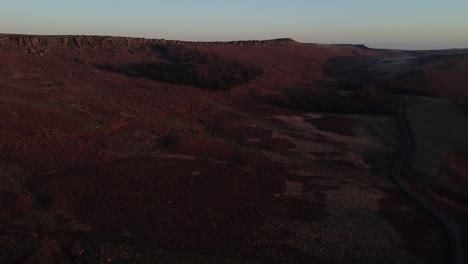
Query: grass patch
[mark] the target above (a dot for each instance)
(439, 128)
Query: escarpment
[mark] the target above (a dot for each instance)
(26, 42)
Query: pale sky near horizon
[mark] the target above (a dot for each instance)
(404, 24)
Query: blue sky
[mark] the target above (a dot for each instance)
(403, 24)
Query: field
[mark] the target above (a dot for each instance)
(440, 128)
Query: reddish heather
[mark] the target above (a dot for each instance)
(449, 79)
(13, 206)
(170, 201)
(455, 166)
(125, 154)
(58, 109)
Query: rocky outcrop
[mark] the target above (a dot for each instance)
(75, 42)
(272, 42)
(95, 42)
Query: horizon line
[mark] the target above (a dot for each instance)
(367, 46)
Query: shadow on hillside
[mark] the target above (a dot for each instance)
(365, 100)
(186, 66)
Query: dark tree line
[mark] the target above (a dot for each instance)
(366, 100)
(187, 66)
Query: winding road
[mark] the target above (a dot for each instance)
(399, 169)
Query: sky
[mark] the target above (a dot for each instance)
(401, 24)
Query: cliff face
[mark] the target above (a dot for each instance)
(18, 42)
(271, 42)
(95, 42)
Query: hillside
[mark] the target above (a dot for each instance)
(130, 149)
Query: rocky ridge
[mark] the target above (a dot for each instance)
(94, 42)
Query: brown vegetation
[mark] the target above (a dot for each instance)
(103, 166)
